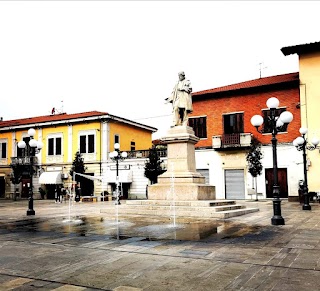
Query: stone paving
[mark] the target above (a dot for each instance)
(51, 251)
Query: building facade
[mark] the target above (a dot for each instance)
(309, 72)
(221, 119)
(92, 134)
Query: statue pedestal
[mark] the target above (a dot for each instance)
(181, 181)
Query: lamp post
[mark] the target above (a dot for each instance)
(276, 123)
(301, 144)
(33, 147)
(117, 156)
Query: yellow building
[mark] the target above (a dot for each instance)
(93, 134)
(309, 74)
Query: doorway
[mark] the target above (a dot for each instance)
(86, 184)
(25, 187)
(2, 186)
(124, 189)
(234, 184)
(282, 181)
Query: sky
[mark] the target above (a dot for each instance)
(123, 57)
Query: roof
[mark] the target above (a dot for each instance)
(49, 118)
(286, 78)
(301, 48)
(63, 118)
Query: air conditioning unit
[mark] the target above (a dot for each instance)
(64, 176)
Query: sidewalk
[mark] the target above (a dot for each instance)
(75, 247)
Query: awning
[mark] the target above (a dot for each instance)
(125, 176)
(99, 178)
(50, 178)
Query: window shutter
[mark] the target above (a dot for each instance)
(82, 144)
(58, 146)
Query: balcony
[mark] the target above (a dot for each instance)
(145, 154)
(231, 141)
(23, 160)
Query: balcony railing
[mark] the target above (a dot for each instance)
(145, 154)
(23, 160)
(131, 155)
(233, 140)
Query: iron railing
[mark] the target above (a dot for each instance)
(23, 160)
(232, 139)
(145, 154)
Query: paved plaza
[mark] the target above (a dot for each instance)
(77, 246)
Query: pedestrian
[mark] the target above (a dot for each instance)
(56, 195)
(59, 193)
(63, 194)
(42, 192)
(78, 193)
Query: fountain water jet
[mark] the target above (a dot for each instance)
(173, 202)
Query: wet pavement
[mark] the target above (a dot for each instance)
(77, 247)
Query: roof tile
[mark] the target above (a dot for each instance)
(301, 48)
(252, 83)
(49, 118)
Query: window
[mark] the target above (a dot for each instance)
(233, 123)
(116, 139)
(133, 146)
(54, 146)
(199, 125)
(90, 143)
(87, 143)
(3, 149)
(267, 127)
(21, 152)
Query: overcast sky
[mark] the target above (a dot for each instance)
(123, 57)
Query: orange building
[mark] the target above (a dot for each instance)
(221, 119)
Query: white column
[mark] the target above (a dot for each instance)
(39, 155)
(105, 141)
(70, 157)
(14, 145)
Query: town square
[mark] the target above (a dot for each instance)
(159, 145)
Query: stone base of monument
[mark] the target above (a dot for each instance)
(181, 181)
(181, 188)
(181, 191)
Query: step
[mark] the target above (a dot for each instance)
(182, 203)
(183, 208)
(238, 212)
(205, 212)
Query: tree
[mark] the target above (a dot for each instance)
(153, 168)
(77, 167)
(16, 175)
(253, 158)
(77, 164)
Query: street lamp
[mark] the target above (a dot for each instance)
(117, 156)
(33, 147)
(276, 123)
(301, 144)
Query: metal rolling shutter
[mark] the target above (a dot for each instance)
(234, 181)
(205, 173)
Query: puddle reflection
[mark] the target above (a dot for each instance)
(146, 228)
